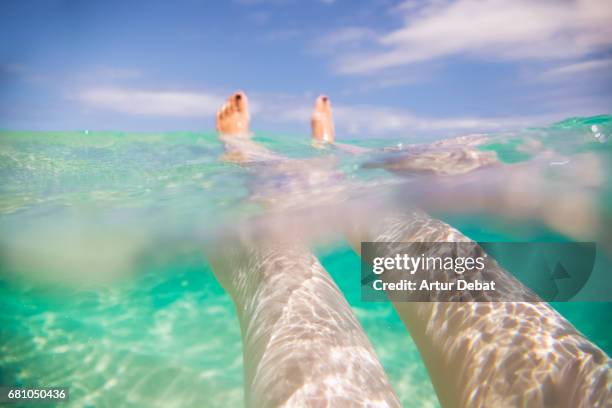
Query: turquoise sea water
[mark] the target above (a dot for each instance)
(104, 287)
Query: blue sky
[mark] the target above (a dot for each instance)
(390, 67)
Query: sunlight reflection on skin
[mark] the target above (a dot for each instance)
(495, 353)
(513, 353)
(483, 354)
(302, 345)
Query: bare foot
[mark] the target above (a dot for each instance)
(233, 117)
(322, 122)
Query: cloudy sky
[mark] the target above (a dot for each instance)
(390, 67)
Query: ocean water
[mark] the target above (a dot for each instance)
(104, 286)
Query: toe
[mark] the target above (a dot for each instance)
(239, 100)
(225, 110)
(231, 107)
(322, 104)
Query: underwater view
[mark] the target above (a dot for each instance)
(104, 282)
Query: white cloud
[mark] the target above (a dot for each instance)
(356, 120)
(579, 68)
(489, 28)
(151, 103)
(274, 110)
(362, 120)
